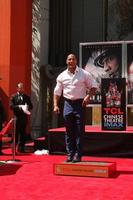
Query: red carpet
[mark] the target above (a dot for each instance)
(33, 179)
(96, 129)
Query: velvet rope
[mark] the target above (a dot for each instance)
(5, 128)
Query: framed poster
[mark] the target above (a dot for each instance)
(101, 60)
(113, 93)
(129, 72)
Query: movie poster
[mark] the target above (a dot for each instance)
(101, 60)
(113, 93)
(130, 73)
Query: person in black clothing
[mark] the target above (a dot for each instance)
(21, 106)
(2, 122)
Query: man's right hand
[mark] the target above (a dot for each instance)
(56, 110)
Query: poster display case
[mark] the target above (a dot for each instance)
(109, 60)
(101, 60)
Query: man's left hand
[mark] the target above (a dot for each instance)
(85, 100)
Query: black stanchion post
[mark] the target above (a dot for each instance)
(14, 143)
(14, 139)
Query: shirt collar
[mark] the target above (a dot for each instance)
(76, 70)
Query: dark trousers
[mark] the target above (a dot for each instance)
(0, 137)
(75, 127)
(0, 145)
(20, 138)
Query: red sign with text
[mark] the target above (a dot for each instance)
(114, 104)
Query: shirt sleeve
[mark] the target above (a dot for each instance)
(59, 86)
(29, 103)
(91, 81)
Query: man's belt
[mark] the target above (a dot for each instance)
(74, 101)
